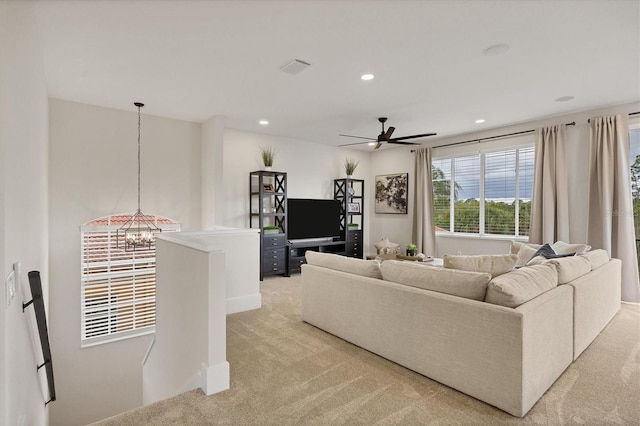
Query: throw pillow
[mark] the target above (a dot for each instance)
(386, 246)
(366, 268)
(564, 248)
(470, 285)
(516, 245)
(525, 254)
(495, 264)
(546, 252)
(521, 285)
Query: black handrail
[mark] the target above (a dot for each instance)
(41, 319)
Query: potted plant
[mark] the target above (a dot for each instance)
(271, 230)
(267, 153)
(350, 166)
(411, 249)
(352, 226)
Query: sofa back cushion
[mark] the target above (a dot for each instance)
(521, 285)
(366, 268)
(597, 258)
(495, 264)
(569, 268)
(470, 285)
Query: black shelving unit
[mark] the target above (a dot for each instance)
(350, 193)
(268, 207)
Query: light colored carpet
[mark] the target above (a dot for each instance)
(284, 371)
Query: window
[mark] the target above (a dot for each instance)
(634, 160)
(491, 192)
(118, 296)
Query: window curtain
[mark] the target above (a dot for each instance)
(610, 219)
(424, 234)
(550, 204)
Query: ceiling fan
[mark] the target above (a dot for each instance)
(385, 136)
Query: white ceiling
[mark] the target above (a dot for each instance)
(192, 60)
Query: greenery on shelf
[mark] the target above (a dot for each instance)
(350, 166)
(412, 247)
(271, 228)
(352, 225)
(267, 153)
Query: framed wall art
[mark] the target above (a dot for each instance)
(392, 193)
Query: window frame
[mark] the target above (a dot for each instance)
(481, 153)
(98, 274)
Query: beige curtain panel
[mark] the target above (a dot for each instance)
(610, 221)
(424, 234)
(550, 204)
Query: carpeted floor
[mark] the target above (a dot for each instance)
(284, 371)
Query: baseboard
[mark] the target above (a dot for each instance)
(210, 379)
(244, 303)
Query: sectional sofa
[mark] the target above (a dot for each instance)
(506, 351)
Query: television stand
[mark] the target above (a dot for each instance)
(298, 249)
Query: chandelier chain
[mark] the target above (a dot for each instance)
(139, 158)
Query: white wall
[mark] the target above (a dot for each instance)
(310, 167)
(92, 173)
(23, 205)
(398, 227)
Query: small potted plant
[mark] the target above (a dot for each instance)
(411, 249)
(352, 226)
(350, 166)
(271, 230)
(267, 153)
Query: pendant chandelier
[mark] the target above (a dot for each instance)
(138, 233)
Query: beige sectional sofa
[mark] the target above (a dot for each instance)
(505, 356)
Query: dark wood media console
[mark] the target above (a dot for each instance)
(350, 248)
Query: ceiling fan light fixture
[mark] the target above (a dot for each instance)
(367, 77)
(480, 121)
(263, 122)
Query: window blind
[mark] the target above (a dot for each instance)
(118, 287)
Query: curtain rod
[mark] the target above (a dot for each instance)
(573, 123)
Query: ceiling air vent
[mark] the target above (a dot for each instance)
(295, 66)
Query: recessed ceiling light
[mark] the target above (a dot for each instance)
(367, 77)
(371, 143)
(496, 49)
(480, 121)
(264, 122)
(564, 98)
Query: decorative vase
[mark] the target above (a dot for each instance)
(411, 252)
(349, 176)
(267, 168)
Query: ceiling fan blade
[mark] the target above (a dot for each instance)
(359, 137)
(414, 136)
(378, 145)
(402, 142)
(388, 133)
(355, 143)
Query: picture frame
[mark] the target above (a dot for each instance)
(392, 193)
(353, 207)
(268, 187)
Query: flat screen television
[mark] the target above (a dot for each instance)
(309, 218)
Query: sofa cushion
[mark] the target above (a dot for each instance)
(366, 268)
(470, 285)
(495, 264)
(597, 258)
(521, 285)
(569, 268)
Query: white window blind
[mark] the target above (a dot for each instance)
(118, 297)
(491, 192)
